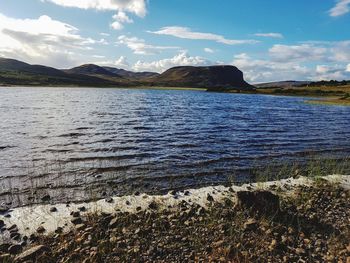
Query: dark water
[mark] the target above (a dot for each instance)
(75, 143)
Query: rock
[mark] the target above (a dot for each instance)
(263, 202)
(210, 198)
(32, 254)
(15, 249)
(300, 251)
(4, 209)
(153, 205)
(77, 221)
(4, 247)
(82, 209)
(53, 209)
(113, 223)
(137, 193)
(251, 224)
(109, 200)
(2, 223)
(59, 230)
(15, 236)
(80, 227)
(46, 198)
(41, 230)
(75, 214)
(13, 228)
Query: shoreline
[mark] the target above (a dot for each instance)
(290, 220)
(315, 99)
(52, 216)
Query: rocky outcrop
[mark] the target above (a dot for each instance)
(215, 78)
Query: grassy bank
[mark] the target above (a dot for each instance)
(329, 95)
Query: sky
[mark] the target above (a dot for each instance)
(270, 40)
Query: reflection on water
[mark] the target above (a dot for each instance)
(76, 143)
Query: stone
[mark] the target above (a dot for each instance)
(210, 198)
(251, 224)
(82, 209)
(4, 247)
(109, 200)
(15, 249)
(262, 202)
(32, 253)
(4, 209)
(53, 209)
(75, 214)
(113, 223)
(13, 228)
(2, 223)
(80, 227)
(77, 221)
(153, 206)
(46, 198)
(41, 230)
(15, 236)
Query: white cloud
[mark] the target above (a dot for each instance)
(98, 56)
(208, 50)
(303, 52)
(272, 35)
(348, 68)
(105, 34)
(42, 40)
(340, 51)
(120, 19)
(122, 62)
(137, 7)
(341, 8)
(138, 46)
(264, 70)
(182, 59)
(267, 70)
(187, 33)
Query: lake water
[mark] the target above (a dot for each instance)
(82, 143)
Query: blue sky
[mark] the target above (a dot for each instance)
(268, 40)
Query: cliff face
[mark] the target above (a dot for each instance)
(211, 77)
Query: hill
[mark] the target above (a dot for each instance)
(215, 78)
(14, 72)
(283, 84)
(130, 74)
(91, 69)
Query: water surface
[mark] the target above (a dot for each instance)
(82, 143)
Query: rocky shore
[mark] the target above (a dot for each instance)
(292, 220)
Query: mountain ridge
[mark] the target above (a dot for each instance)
(212, 78)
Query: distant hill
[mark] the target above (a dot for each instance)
(215, 78)
(330, 83)
(14, 72)
(283, 84)
(91, 69)
(130, 74)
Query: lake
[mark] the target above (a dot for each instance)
(83, 143)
